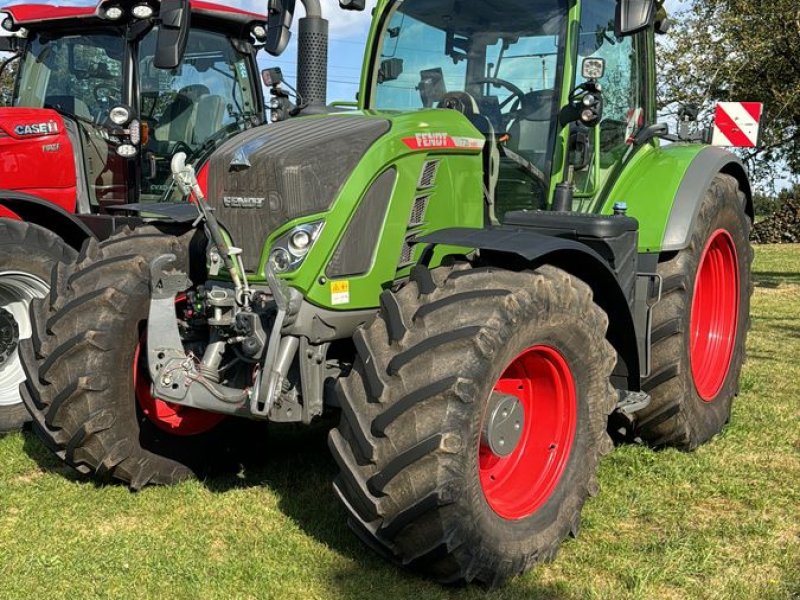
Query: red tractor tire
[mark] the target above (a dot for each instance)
(456, 365)
(700, 326)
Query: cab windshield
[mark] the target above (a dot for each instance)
(78, 75)
(501, 57)
(192, 109)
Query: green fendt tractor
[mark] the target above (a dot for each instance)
(483, 264)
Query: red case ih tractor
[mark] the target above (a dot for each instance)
(104, 96)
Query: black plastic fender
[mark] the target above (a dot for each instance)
(500, 245)
(709, 163)
(40, 212)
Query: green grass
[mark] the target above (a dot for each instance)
(721, 523)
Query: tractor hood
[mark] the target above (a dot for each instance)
(262, 179)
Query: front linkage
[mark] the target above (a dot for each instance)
(239, 314)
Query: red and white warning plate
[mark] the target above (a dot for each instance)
(737, 124)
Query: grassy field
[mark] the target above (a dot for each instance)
(722, 523)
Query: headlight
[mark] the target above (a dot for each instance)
(127, 151)
(114, 13)
(8, 24)
(260, 33)
(291, 249)
(142, 11)
(120, 115)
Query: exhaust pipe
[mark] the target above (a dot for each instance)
(312, 57)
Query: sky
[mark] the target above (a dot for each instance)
(348, 35)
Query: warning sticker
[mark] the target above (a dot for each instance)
(340, 292)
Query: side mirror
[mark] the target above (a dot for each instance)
(390, 70)
(173, 34)
(633, 16)
(279, 22)
(432, 88)
(353, 4)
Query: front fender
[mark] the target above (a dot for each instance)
(501, 245)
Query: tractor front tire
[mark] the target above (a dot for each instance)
(28, 254)
(700, 326)
(455, 363)
(84, 366)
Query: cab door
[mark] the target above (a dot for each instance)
(627, 96)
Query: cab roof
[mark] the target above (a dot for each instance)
(45, 16)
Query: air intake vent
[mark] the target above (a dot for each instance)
(428, 177)
(418, 211)
(407, 255)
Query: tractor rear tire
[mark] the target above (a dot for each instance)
(417, 475)
(28, 254)
(83, 362)
(700, 326)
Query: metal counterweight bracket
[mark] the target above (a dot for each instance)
(175, 375)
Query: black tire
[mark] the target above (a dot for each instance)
(81, 393)
(412, 411)
(28, 254)
(677, 416)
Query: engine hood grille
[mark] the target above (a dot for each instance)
(272, 174)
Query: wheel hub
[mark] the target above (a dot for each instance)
(504, 424)
(9, 336)
(528, 431)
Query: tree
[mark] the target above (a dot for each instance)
(747, 50)
(7, 79)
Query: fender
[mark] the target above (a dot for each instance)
(705, 167)
(499, 244)
(664, 186)
(48, 215)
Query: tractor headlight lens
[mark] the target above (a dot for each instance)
(120, 115)
(8, 24)
(588, 116)
(280, 260)
(142, 11)
(260, 33)
(291, 249)
(127, 151)
(114, 13)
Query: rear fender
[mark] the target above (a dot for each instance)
(689, 196)
(508, 248)
(664, 187)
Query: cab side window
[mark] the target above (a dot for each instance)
(624, 81)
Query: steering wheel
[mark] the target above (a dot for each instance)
(516, 94)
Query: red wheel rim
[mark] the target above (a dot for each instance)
(518, 485)
(170, 418)
(715, 315)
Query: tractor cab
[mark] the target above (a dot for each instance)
(515, 70)
(98, 77)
